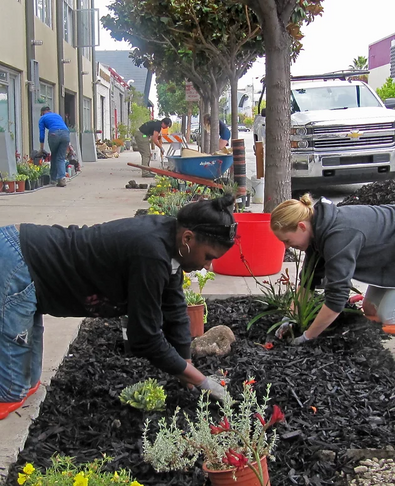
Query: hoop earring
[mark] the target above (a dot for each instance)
(179, 252)
(189, 250)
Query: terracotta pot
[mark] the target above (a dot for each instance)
(245, 477)
(20, 186)
(9, 186)
(196, 317)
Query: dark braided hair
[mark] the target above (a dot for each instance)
(211, 220)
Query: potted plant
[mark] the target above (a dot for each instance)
(196, 303)
(20, 182)
(236, 444)
(8, 182)
(117, 143)
(34, 174)
(45, 174)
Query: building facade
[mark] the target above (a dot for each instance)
(381, 66)
(46, 58)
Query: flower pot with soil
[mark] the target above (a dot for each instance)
(20, 186)
(196, 303)
(245, 476)
(196, 314)
(21, 182)
(9, 186)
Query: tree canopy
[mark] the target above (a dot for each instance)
(387, 90)
(171, 99)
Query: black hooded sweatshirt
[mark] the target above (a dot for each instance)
(353, 242)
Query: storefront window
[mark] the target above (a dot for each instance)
(10, 106)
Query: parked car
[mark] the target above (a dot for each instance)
(341, 132)
(195, 135)
(243, 128)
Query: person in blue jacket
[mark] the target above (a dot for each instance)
(58, 141)
(224, 132)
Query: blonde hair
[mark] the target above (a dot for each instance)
(287, 215)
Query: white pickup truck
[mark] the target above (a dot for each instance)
(341, 132)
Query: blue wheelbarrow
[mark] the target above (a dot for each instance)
(202, 170)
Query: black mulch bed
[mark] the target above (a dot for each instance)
(375, 193)
(347, 375)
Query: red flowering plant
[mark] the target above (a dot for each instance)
(237, 439)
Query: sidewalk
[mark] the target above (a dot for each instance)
(96, 195)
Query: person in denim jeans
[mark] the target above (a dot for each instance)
(58, 141)
(131, 266)
(21, 326)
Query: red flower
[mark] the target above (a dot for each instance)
(223, 383)
(285, 279)
(235, 459)
(249, 382)
(260, 418)
(268, 345)
(222, 427)
(277, 415)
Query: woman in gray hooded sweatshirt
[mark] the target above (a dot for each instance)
(351, 242)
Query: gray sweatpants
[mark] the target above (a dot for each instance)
(383, 300)
(144, 147)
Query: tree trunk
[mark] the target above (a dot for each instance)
(274, 16)
(204, 135)
(234, 105)
(188, 135)
(278, 92)
(183, 124)
(214, 126)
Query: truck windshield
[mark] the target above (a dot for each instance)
(332, 98)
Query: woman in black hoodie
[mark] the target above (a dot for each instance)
(347, 242)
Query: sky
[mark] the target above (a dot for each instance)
(331, 42)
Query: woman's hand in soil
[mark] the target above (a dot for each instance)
(284, 329)
(300, 340)
(217, 391)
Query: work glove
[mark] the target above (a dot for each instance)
(217, 391)
(285, 328)
(162, 151)
(300, 340)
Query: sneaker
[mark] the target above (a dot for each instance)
(61, 182)
(148, 174)
(8, 407)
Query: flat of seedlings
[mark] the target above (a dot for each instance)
(338, 393)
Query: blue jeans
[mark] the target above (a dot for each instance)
(58, 142)
(21, 326)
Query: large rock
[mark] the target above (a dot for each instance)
(215, 342)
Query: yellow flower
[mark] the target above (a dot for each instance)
(136, 483)
(115, 478)
(22, 478)
(29, 469)
(80, 480)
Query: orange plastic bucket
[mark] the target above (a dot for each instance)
(262, 251)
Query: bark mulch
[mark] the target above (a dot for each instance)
(346, 375)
